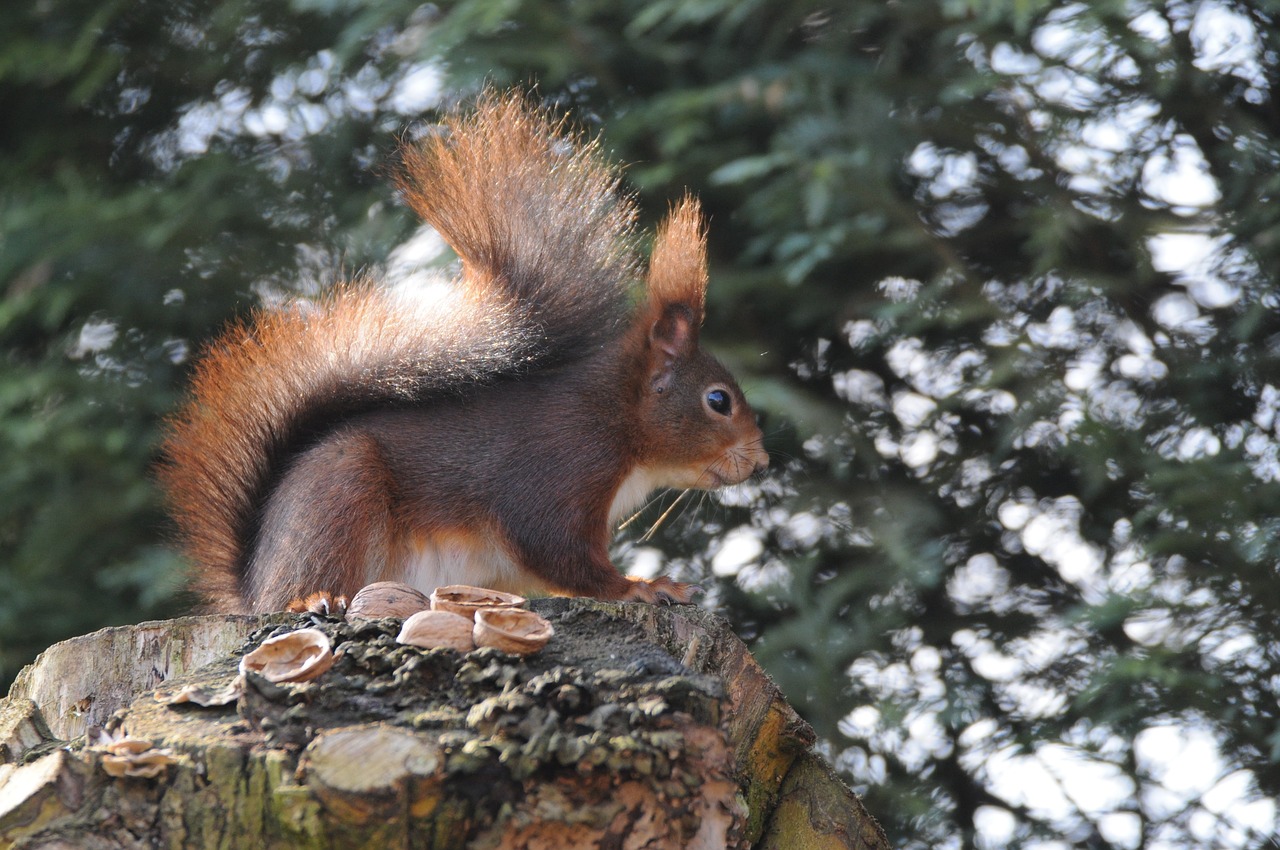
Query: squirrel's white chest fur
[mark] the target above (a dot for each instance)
(437, 562)
(635, 488)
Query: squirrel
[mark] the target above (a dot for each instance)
(491, 435)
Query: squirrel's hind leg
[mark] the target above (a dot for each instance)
(327, 525)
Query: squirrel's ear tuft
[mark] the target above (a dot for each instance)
(678, 264)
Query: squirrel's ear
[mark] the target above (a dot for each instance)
(677, 284)
(672, 335)
(678, 264)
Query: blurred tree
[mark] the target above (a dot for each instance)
(146, 192)
(1009, 266)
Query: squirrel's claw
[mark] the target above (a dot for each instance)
(321, 602)
(660, 590)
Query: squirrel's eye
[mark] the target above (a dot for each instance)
(719, 401)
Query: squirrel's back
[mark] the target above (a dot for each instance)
(548, 266)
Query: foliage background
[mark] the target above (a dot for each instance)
(999, 276)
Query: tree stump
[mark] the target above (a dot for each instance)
(636, 727)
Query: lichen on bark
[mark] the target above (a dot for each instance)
(636, 726)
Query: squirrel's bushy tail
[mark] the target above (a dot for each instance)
(545, 240)
(534, 212)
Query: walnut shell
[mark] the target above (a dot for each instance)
(429, 629)
(387, 599)
(465, 600)
(297, 656)
(513, 630)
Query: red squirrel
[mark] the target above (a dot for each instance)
(489, 436)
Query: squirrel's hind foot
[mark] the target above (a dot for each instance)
(660, 590)
(321, 602)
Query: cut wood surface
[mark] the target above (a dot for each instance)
(79, 682)
(636, 726)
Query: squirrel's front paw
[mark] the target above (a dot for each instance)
(660, 589)
(321, 602)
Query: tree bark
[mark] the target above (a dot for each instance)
(636, 727)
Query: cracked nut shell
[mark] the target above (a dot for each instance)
(297, 656)
(429, 629)
(513, 630)
(466, 600)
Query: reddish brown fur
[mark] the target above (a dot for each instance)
(326, 446)
(678, 263)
